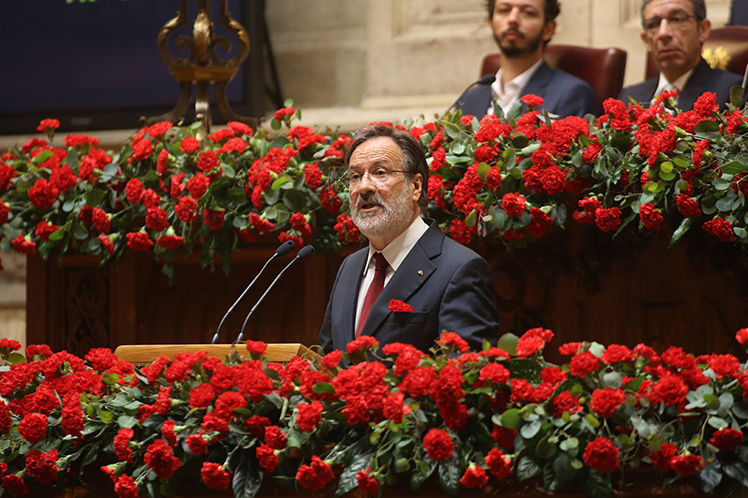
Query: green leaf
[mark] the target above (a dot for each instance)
(347, 481)
(710, 476)
(530, 430)
(106, 416)
(738, 471)
(733, 168)
(110, 379)
(247, 478)
(323, 387)
(683, 228)
(126, 421)
(597, 484)
(471, 219)
(508, 342)
(527, 468)
(294, 200)
(449, 476)
(426, 467)
(544, 448)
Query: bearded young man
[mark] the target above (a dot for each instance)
(412, 282)
(522, 29)
(674, 32)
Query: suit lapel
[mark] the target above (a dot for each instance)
(348, 295)
(694, 86)
(539, 80)
(412, 274)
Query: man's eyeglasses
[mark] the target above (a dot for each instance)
(676, 20)
(377, 176)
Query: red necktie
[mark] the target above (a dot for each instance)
(375, 288)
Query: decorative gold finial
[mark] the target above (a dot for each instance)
(203, 67)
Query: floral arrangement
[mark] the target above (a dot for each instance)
(511, 177)
(462, 419)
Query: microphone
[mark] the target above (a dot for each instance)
(282, 250)
(486, 79)
(303, 253)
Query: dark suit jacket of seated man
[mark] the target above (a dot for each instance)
(674, 32)
(703, 79)
(448, 285)
(563, 94)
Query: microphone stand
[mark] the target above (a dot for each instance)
(282, 250)
(303, 253)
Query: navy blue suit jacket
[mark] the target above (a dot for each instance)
(703, 79)
(449, 286)
(563, 94)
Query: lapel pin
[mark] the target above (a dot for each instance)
(420, 272)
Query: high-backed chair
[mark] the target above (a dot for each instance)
(602, 68)
(726, 48)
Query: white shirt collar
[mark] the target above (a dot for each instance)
(679, 83)
(396, 251)
(508, 94)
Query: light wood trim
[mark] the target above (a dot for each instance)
(143, 354)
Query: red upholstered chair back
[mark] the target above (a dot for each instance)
(726, 48)
(602, 68)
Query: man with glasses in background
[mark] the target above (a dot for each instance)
(411, 282)
(674, 32)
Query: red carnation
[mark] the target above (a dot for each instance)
(494, 372)
(308, 415)
(499, 464)
(661, 458)
(42, 466)
(158, 129)
(687, 465)
(316, 475)
(125, 487)
(159, 458)
(156, 219)
(438, 444)
(453, 339)
(267, 457)
(719, 228)
(33, 427)
(43, 194)
(207, 161)
(397, 306)
(565, 402)
(474, 477)
(23, 245)
(189, 145)
(608, 219)
(122, 445)
(532, 99)
(170, 241)
(605, 401)
(583, 363)
(44, 229)
(197, 444)
(513, 204)
(214, 476)
(139, 241)
(367, 482)
(742, 336)
(651, 217)
(214, 219)
(601, 455)
(48, 125)
(14, 484)
(727, 439)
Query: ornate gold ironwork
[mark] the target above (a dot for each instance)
(203, 66)
(718, 58)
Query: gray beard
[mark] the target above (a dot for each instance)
(394, 218)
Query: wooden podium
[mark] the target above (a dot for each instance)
(143, 354)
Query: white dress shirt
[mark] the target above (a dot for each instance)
(394, 253)
(508, 94)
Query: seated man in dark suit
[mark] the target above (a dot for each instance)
(522, 29)
(411, 282)
(674, 32)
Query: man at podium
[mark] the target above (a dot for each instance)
(411, 282)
